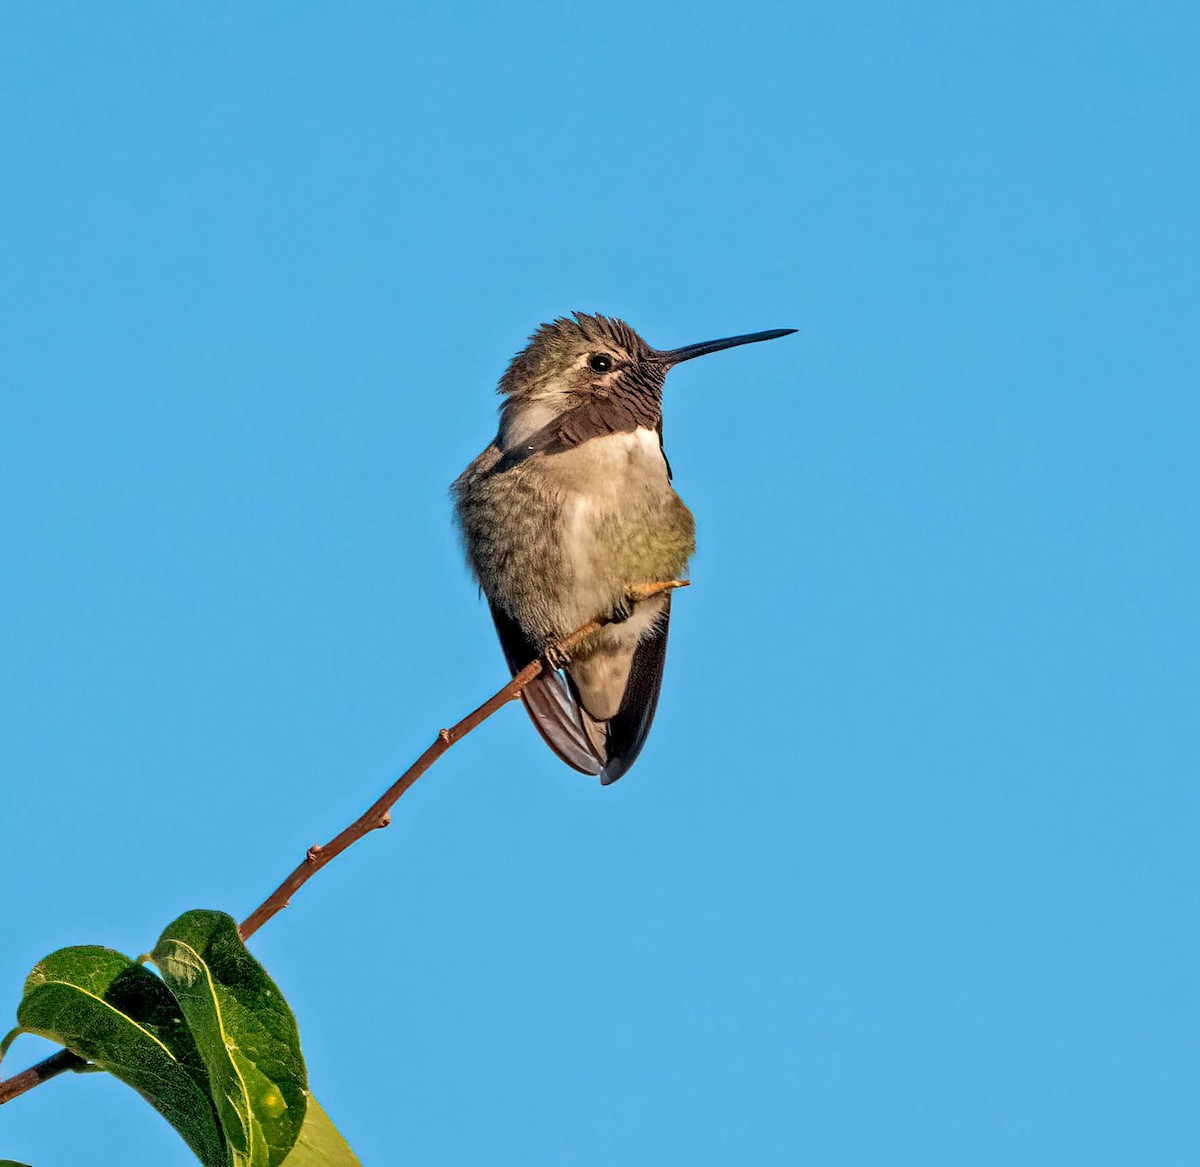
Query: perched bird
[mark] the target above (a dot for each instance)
(567, 508)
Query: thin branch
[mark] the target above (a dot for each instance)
(55, 1064)
(378, 815)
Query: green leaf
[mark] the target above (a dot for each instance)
(114, 1012)
(5, 1042)
(244, 1031)
(12, 1163)
(319, 1144)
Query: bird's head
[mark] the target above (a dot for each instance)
(568, 361)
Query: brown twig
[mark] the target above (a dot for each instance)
(378, 815)
(55, 1064)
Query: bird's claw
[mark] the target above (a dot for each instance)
(621, 612)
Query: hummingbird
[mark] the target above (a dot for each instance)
(565, 510)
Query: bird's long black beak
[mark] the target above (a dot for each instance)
(675, 355)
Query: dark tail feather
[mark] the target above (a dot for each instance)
(625, 733)
(551, 708)
(589, 746)
(557, 719)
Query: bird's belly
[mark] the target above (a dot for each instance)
(620, 523)
(557, 541)
(613, 546)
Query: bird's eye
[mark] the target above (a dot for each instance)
(600, 362)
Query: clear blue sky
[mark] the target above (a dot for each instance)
(908, 871)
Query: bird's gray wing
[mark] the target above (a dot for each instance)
(553, 710)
